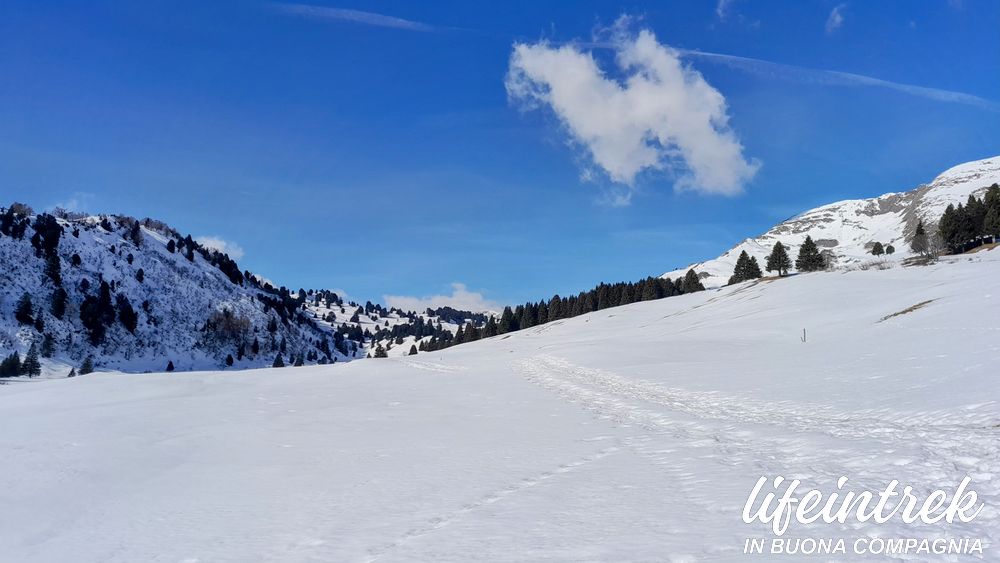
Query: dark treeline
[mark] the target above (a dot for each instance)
(454, 316)
(538, 313)
(977, 222)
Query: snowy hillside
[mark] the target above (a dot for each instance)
(158, 298)
(394, 330)
(848, 229)
(192, 306)
(633, 433)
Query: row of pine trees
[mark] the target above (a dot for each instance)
(968, 226)
(809, 260)
(31, 366)
(533, 314)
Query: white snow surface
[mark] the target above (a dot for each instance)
(630, 434)
(848, 229)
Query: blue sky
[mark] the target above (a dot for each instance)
(375, 147)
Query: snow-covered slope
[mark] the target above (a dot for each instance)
(632, 434)
(174, 301)
(848, 229)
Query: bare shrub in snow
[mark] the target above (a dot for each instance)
(224, 327)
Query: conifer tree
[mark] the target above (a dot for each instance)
(809, 259)
(741, 269)
(48, 346)
(229, 359)
(413, 350)
(90, 317)
(105, 308)
(877, 249)
(950, 226)
(170, 365)
(778, 260)
(380, 351)
(919, 244)
(135, 234)
(991, 223)
(126, 314)
(31, 366)
(53, 269)
(58, 307)
(87, 366)
(279, 362)
(11, 365)
(23, 310)
(507, 321)
(753, 269)
(890, 249)
(976, 213)
(72, 372)
(555, 308)
(992, 197)
(649, 292)
(491, 328)
(691, 282)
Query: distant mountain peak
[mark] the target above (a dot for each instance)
(846, 230)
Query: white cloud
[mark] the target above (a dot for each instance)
(234, 250)
(663, 115)
(461, 298)
(836, 19)
(353, 16)
(726, 13)
(722, 8)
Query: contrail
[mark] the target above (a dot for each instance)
(837, 78)
(354, 16)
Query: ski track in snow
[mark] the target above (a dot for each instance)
(949, 449)
(439, 522)
(433, 366)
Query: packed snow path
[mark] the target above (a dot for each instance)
(634, 433)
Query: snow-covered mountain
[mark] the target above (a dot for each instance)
(153, 297)
(847, 230)
(193, 307)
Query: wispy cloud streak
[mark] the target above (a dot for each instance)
(837, 78)
(836, 19)
(353, 16)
